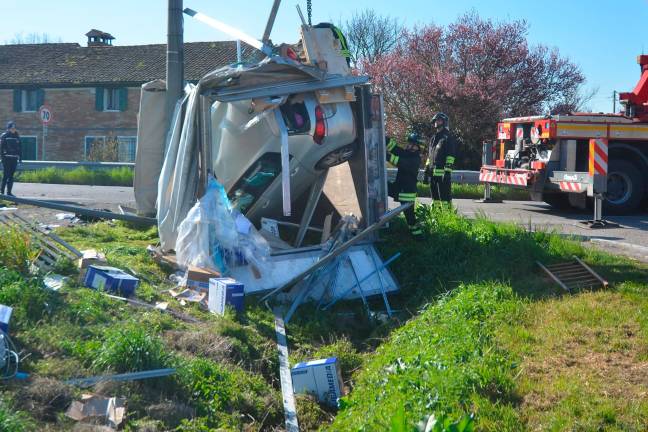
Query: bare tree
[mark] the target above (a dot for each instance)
(33, 38)
(371, 36)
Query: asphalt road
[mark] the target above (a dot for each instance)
(630, 239)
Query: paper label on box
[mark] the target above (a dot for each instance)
(99, 281)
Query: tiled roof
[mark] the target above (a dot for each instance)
(69, 64)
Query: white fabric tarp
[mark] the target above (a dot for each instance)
(151, 138)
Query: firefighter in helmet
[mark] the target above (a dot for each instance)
(441, 159)
(408, 162)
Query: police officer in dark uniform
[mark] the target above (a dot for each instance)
(11, 154)
(441, 159)
(408, 162)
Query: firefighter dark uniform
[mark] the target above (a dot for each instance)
(404, 188)
(11, 154)
(440, 163)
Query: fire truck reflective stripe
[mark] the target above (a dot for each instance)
(570, 187)
(516, 179)
(598, 156)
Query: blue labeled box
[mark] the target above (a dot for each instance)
(225, 291)
(320, 378)
(111, 279)
(5, 316)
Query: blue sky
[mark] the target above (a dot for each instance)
(602, 36)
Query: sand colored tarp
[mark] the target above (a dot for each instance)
(151, 138)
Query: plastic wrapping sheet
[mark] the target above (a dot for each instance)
(179, 177)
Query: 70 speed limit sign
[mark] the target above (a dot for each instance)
(45, 114)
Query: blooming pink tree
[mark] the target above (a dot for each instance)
(477, 72)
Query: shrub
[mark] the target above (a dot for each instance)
(17, 251)
(30, 300)
(12, 420)
(131, 348)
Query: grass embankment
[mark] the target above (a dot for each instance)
(476, 191)
(480, 332)
(122, 176)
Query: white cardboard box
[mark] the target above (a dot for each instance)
(321, 378)
(225, 291)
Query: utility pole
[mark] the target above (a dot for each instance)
(614, 94)
(175, 56)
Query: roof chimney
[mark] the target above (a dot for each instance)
(99, 38)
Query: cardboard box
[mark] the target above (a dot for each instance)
(198, 278)
(91, 257)
(321, 378)
(111, 279)
(5, 316)
(223, 292)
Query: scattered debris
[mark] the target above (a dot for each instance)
(157, 306)
(54, 281)
(65, 216)
(574, 275)
(111, 410)
(111, 279)
(131, 376)
(91, 257)
(225, 292)
(198, 278)
(290, 408)
(188, 295)
(321, 378)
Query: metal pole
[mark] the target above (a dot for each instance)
(175, 56)
(614, 102)
(271, 20)
(239, 53)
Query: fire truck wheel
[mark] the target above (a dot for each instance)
(625, 189)
(558, 201)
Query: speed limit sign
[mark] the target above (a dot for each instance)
(45, 114)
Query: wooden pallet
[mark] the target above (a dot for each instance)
(574, 275)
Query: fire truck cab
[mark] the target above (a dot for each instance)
(563, 159)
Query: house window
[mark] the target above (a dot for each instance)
(111, 99)
(92, 144)
(28, 100)
(29, 147)
(127, 148)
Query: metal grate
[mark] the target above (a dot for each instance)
(574, 275)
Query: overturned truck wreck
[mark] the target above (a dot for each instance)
(295, 142)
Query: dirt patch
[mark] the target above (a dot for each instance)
(44, 398)
(202, 343)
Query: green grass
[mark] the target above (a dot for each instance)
(479, 332)
(476, 191)
(122, 176)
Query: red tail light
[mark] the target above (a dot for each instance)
(320, 125)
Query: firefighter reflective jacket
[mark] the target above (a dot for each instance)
(408, 164)
(441, 154)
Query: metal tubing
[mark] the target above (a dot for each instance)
(311, 204)
(80, 210)
(90, 381)
(271, 19)
(378, 269)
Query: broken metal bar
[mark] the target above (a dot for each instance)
(378, 270)
(271, 19)
(290, 409)
(90, 381)
(49, 253)
(285, 162)
(74, 252)
(311, 204)
(235, 33)
(179, 315)
(340, 249)
(81, 211)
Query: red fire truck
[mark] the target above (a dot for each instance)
(564, 159)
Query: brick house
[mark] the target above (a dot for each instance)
(92, 92)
